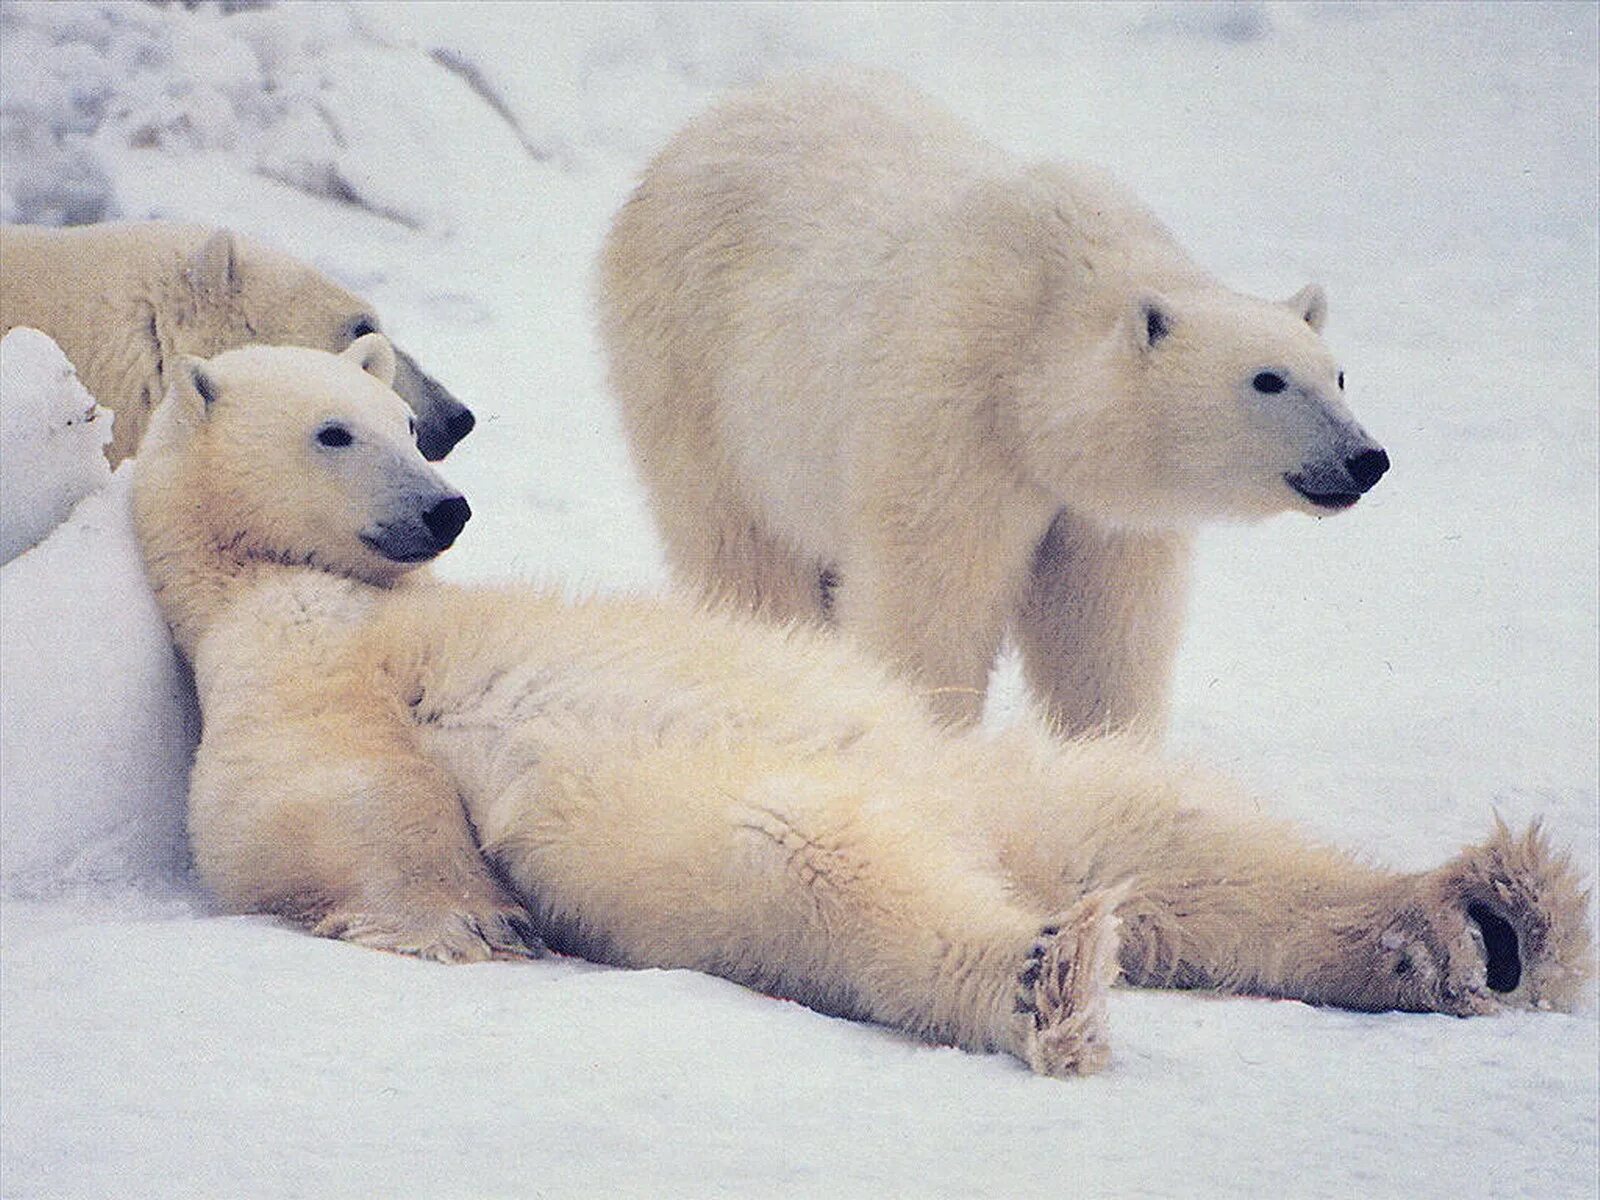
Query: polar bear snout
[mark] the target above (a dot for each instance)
(442, 420)
(1336, 485)
(429, 528)
(446, 519)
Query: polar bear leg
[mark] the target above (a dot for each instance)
(930, 580)
(925, 943)
(716, 543)
(730, 557)
(1247, 904)
(794, 881)
(1099, 624)
(337, 822)
(1065, 986)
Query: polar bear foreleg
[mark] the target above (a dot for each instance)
(333, 819)
(1099, 623)
(929, 583)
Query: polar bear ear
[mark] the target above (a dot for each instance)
(195, 387)
(1311, 303)
(1151, 320)
(213, 270)
(374, 355)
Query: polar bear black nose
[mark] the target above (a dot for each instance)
(446, 519)
(1367, 467)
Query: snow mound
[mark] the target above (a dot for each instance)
(96, 714)
(51, 434)
(301, 94)
(1230, 21)
(412, 113)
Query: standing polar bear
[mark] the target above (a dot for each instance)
(854, 345)
(658, 785)
(126, 301)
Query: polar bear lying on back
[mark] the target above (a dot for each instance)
(664, 786)
(854, 345)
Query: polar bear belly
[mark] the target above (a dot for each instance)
(788, 450)
(791, 390)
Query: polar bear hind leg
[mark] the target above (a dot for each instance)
(739, 561)
(715, 540)
(784, 878)
(1223, 898)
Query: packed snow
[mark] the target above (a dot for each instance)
(52, 432)
(1389, 677)
(98, 720)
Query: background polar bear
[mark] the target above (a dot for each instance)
(854, 343)
(126, 300)
(671, 787)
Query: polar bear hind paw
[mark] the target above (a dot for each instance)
(446, 936)
(1063, 988)
(1503, 925)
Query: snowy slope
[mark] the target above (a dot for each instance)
(1387, 677)
(49, 422)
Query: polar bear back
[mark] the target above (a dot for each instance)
(798, 252)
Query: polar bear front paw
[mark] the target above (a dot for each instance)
(1063, 987)
(446, 935)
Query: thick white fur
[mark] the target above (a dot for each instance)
(853, 342)
(664, 785)
(126, 301)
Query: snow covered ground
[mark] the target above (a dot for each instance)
(1389, 677)
(50, 422)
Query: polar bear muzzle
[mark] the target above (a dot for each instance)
(429, 528)
(442, 420)
(1339, 485)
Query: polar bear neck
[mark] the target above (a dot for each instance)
(197, 571)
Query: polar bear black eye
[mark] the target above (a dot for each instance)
(1269, 382)
(334, 436)
(1341, 381)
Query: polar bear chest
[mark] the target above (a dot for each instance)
(616, 682)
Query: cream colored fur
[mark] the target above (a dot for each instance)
(853, 342)
(127, 301)
(662, 785)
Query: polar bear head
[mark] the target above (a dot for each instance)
(1202, 403)
(237, 292)
(302, 457)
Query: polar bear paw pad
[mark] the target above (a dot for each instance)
(1063, 988)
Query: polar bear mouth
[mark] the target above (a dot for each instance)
(1331, 500)
(406, 552)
